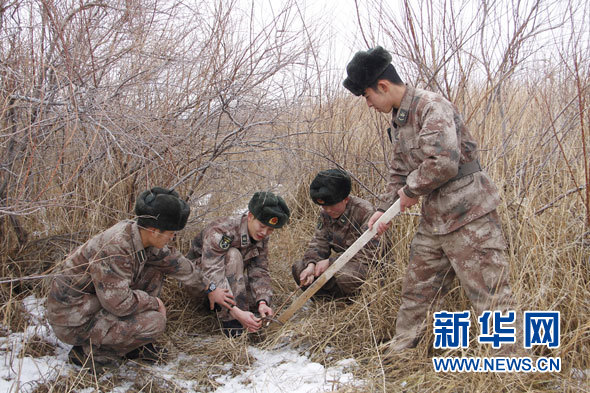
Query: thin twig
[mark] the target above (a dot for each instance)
(552, 203)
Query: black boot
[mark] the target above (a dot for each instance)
(98, 363)
(77, 355)
(148, 353)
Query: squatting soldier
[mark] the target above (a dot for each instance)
(232, 254)
(342, 221)
(105, 298)
(435, 157)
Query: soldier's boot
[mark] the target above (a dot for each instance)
(97, 362)
(148, 353)
(232, 328)
(77, 355)
(397, 348)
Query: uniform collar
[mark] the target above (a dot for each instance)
(244, 235)
(344, 217)
(400, 117)
(140, 253)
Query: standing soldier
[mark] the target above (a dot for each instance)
(105, 299)
(342, 221)
(232, 254)
(435, 157)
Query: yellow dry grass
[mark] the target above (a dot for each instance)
(548, 251)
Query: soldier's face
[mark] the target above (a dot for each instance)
(336, 210)
(158, 238)
(378, 100)
(258, 230)
(161, 238)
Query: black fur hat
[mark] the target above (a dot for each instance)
(269, 209)
(330, 187)
(365, 68)
(162, 209)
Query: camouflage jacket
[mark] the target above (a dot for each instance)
(430, 141)
(209, 247)
(102, 273)
(338, 234)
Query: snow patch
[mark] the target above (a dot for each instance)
(284, 370)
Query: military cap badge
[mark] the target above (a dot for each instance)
(225, 242)
(320, 201)
(273, 221)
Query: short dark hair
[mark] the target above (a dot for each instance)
(390, 74)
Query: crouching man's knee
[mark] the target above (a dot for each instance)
(233, 258)
(153, 323)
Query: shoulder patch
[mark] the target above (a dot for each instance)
(320, 224)
(244, 240)
(225, 242)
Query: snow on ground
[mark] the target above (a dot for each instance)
(284, 370)
(287, 371)
(23, 374)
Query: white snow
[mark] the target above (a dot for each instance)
(284, 370)
(287, 371)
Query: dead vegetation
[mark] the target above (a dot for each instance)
(101, 100)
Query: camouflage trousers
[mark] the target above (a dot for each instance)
(107, 334)
(474, 254)
(344, 283)
(237, 278)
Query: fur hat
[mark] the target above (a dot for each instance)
(269, 209)
(330, 187)
(162, 209)
(365, 68)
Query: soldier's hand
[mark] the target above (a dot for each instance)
(321, 267)
(382, 226)
(405, 201)
(307, 275)
(247, 319)
(221, 296)
(161, 307)
(264, 310)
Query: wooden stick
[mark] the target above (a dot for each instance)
(338, 263)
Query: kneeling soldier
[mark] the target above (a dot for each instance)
(105, 298)
(342, 221)
(232, 253)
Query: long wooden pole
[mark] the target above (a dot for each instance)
(338, 263)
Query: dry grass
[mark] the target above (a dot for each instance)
(550, 270)
(73, 162)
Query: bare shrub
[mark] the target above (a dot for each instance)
(102, 100)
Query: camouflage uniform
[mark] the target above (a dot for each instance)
(104, 296)
(338, 235)
(435, 157)
(230, 259)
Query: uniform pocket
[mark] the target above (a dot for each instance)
(409, 151)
